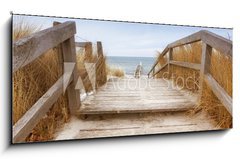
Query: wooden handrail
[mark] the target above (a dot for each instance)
(27, 49)
(209, 41)
(220, 43)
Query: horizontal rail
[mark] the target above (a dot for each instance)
(186, 64)
(160, 69)
(156, 62)
(29, 48)
(30, 119)
(187, 40)
(218, 42)
(221, 94)
(215, 41)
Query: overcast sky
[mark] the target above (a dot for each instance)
(125, 39)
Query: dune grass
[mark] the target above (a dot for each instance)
(221, 70)
(32, 81)
(115, 71)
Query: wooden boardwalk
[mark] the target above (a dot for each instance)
(128, 106)
(130, 95)
(113, 125)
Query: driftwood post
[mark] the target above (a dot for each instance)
(205, 65)
(69, 55)
(68, 51)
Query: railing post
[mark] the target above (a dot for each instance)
(169, 65)
(68, 51)
(205, 65)
(69, 55)
(88, 52)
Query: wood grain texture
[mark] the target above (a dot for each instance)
(218, 42)
(127, 97)
(31, 47)
(80, 44)
(215, 41)
(186, 64)
(222, 95)
(69, 55)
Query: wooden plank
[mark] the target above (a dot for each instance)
(29, 120)
(124, 98)
(205, 65)
(187, 40)
(186, 64)
(91, 68)
(166, 64)
(222, 95)
(156, 62)
(68, 71)
(218, 42)
(169, 66)
(88, 52)
(69, 55)
(134, 124)
(29, 48)
(109, 108)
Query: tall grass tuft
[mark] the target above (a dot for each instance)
(115, 71)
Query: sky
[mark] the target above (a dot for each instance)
(122, 38)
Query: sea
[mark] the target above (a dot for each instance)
(129, 64)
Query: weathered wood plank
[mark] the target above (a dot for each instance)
(109, 108)
(156, 62)
(25, 124)
(222, 95)
(186, 64)
(218, 42)
(99, 49)
(166, 64)
(29, 48)
(187, 40)
(69, 55)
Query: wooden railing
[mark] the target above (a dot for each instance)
(209, 41)
(27, 49)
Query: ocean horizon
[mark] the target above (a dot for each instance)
(129, 64)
